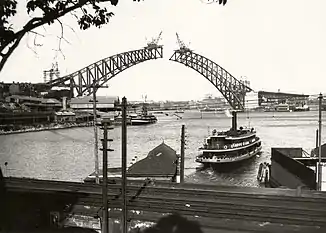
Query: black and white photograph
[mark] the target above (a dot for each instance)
(162, 116)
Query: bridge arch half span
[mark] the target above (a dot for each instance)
(233, 90)
(102, 71)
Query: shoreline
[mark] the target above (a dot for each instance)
(44, 128)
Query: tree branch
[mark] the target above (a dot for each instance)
(39, 21)
(36, 33)
(10, 51)
(31, 49)
(60, 40)
(35, 22)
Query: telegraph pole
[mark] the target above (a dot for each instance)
(319, 144)
(182, 162)
(106, 125)
(317, 136)
(95, 134)
(105, 226)
(124, 165)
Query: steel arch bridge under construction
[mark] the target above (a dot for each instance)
(97, 74)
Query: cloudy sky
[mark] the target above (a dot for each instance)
(274, 44)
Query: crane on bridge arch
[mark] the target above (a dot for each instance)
(233, 90)
(154, 42)
(100, 72)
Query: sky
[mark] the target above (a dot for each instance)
(276, 45)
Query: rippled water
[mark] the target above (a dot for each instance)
(67, 154)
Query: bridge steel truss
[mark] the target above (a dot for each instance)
(98, 73)
(233, 90)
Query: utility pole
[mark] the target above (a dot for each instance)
(124, 165)
(182, 162)
(106, 125)
(319, 144)
(317, 136)
(105, 226)
(95, 134)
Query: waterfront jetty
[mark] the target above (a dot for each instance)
(293, 168)
(216, 208)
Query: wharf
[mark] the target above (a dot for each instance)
(224, 208)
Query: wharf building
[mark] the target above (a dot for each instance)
(106, 106)
(26, 110)
(212, 103)
(280, 101)
(103, 103)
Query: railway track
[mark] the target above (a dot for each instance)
(205, 201)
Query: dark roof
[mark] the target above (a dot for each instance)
(281, 94)
(159, 161)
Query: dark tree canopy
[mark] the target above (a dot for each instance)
(93, 14)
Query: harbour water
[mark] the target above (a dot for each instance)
(67, 154)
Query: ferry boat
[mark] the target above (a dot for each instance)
(143, 118)
(229, 147)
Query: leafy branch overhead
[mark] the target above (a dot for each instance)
(93, 13)
(51, 10)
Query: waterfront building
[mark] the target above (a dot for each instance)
(64, 116)
(210, 102)
(314, 103)
(25, 118)
(251, 100)
(173, 105)
(274, 98)
(34, 103)
(103, 103)
(275, 101)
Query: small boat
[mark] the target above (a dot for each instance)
(207, 110)
(179, 111)
(229, 147)
(118, 120)
(303, 108)
(143, 118)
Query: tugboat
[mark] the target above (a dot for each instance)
(142, 119)
(229, 147)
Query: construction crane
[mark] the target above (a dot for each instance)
(154, 42)
(182, 45)
(54, 71)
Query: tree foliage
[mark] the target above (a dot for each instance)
(51, 11)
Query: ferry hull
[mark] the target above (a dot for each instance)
(142, 122)
(238, 160)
